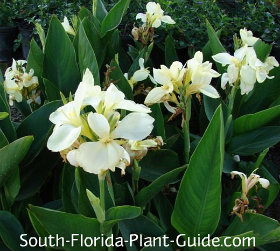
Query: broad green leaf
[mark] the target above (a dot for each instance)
(262, 50)
(141, 224)
(114, 17)
(157, 163)
(263, 95)
(66, 224)
(206, 50)
(120, 81)
(273, 189)
(170, 51)
(10, 231)
(201, 216)
(84, 13)
(68, 178)
(261, 225)
(11, 187)
(257, 120)
(86, 55)
(1, 77)
(41, 129)
(36, 174)
(150, 191)
(116, 214)
(254, 141)
(3, 115)
(99, 10)
(159, 129)
(99, 46)
(12, 155)
(6, 125)
(3, 140)
(60, 65)
(215, 44)
(35, 61)
(51, 90)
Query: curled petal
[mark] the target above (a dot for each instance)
(99, 125)
(264, 183)
(168, 20)
(210, 91)
(223, 58)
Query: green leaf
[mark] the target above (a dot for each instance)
(3, 140)
(35, 61)
(114, 17)
(35, 174)
(257, 120)
(1, 77)
(170, 51)
(201, 216)
(99, 46)
(51, 90)
(41, 129)
(150, 191)
(159, 129)
(11, 187)
(215, 44)
(120, 81)
(157, 163)
(263, 95)
(262, 50)
(68, 178)
(84, 13)
(65, 224)
(86, 55)
(3, 115)
(60, 65)
(99, 10)
(117, 214)
(206, 50)
(141, 224)
(6, 124)
(254, 141)
(12, 155)
(10, 231)
(261, 225)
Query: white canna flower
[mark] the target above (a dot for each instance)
(200, 75)
(247, 79)
(107, 153)
(170, 80)
(263, 69)
(69, 124)
(154, 16)
(140, 75)
(19, 83)
(247, 37)
(249, 183)
(67, 27)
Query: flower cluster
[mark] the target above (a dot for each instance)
(179, 82)
(244, 67)
(152, 19)
(100, 140)
(241, 204)
(19, 84)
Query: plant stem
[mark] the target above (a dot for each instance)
(186, 131)
(230, 108)
(135, 176)
(102, 191)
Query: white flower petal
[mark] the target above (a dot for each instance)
(223, 58)
(168, 20)
(71, 157)
(63, 137)
(97, 157)
(161, 76)
(155, 95)
(130, 105)
(135, 126)
(88, 77)
(113, 97)
(141, 16)
(140, 75)
(99, 124)
(224, 80)
(264, 183)
(210, 91)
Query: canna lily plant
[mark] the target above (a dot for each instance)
(149, 147)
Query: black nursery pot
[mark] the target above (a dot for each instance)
(26, 39)
(7, 37)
